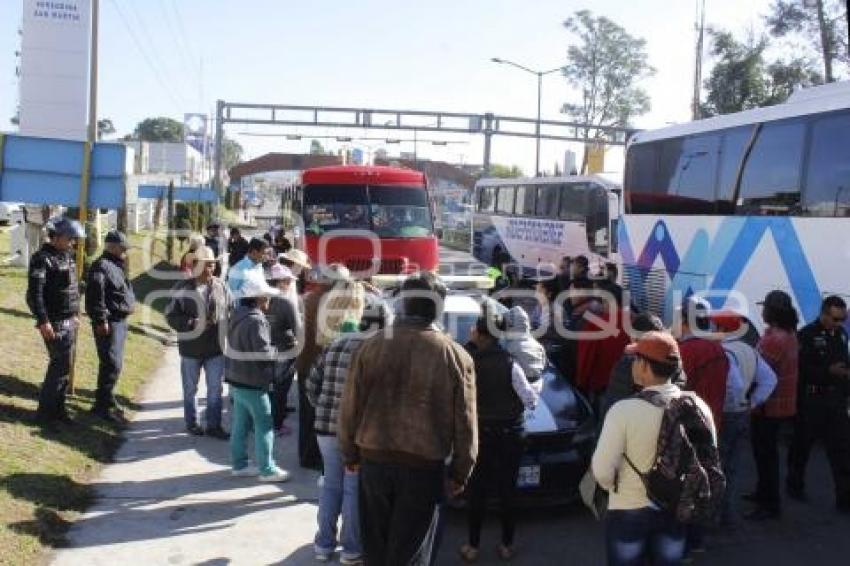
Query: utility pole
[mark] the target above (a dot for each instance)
(540, 75)
(700, 29)
(219, 133)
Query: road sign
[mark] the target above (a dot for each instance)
(50, 171)
(185, 194)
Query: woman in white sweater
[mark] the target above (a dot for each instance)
(638, 532)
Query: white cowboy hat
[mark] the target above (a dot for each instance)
(297, 257)
(203, 253)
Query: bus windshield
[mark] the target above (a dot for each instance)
(335, 207)
(389, 211)
(400, 212)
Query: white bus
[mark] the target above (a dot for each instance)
(535, 222)
(746, 202)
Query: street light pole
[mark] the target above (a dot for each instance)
(537, 125)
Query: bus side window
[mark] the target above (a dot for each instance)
(770, 184)
(597, 220)
(525, 200)
(547, 201)
(827, 190)
(505, 200)
(573, 202)
(487, 199)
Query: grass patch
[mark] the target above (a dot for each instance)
(44, 477)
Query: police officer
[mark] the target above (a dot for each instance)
(109, 301)
(822, 411)
(53, 296)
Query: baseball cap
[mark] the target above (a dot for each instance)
(116, 237)
(657, 346)
(65, 227)
(777, 300)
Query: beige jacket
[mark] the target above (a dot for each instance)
(410, 399)
(631, 427)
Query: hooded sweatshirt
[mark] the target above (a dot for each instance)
(250, 355)
(521, 345)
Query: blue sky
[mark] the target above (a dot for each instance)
(431, 55)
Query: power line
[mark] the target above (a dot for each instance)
(141, 50)
(148, 38)
(184, 38)
(175, 38)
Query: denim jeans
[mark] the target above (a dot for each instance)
(110, 353)
(733, 435)
(251, 406)
(636, 537)
(339, 495)
(51, 397)
(190, 371)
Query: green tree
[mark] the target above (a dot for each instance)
(316, 148)
(605, 65)
(231, 153)
(505, 171)
(742, 79)
(822, 24)
(105, 127)
(159, 129)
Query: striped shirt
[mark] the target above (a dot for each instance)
(326, 382)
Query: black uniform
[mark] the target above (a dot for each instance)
(109, 298)
(822, 409)
(53, 296)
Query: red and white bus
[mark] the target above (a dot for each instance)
(392, 204)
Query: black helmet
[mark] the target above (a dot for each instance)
(65, 227)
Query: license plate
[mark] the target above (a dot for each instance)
(529, 476)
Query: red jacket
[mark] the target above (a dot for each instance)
(706, 368)
(597, 358)
(779, 348)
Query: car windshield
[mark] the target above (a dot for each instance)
(335, 207)
(459, 325)
(400, 212)
(390, 212)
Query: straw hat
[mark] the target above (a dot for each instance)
(203, 253)
(297, 257)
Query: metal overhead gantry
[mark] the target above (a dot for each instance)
(487, 124)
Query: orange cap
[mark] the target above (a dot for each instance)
(656, 346)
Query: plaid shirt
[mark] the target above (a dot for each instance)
(327, 381)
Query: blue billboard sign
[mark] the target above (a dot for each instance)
(49, 171)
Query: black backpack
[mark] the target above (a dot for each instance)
(686, 478)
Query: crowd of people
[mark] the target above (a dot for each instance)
(399, 421)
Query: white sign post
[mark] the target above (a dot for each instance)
(55, 66)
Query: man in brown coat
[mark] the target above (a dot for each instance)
(409, 404)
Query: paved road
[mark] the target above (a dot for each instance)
(169, 499)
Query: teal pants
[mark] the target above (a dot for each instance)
(251, 405)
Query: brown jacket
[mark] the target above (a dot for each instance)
(410, 398)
